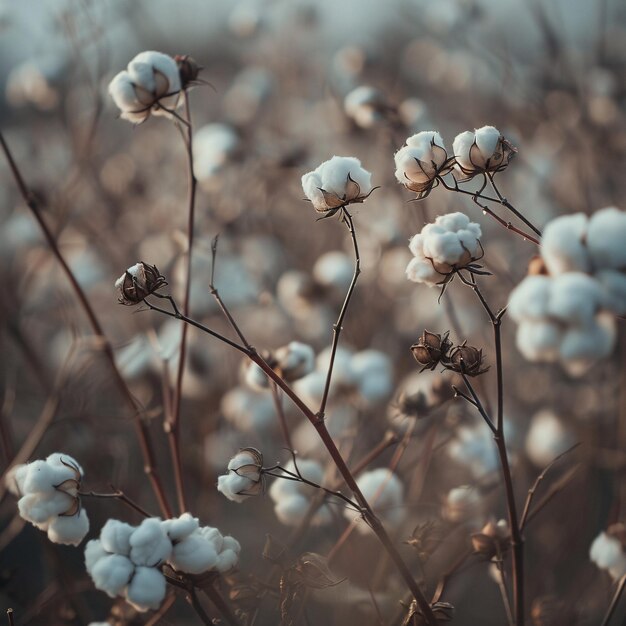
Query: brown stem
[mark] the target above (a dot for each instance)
(10, 617)
(172, 426)
(118, 495)
(615, 601)
(217, 599)
(141, 427)
(337, 327)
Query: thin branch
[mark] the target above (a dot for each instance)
(510, 207)
(10, 617)
(118, 495)
(337, 327)
(615, 601)
(141, 427)
(533, 489)
(217, 599)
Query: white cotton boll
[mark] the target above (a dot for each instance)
(311, 387)
(149, 544)
(606, 235)
(373, 372)
(341, 177)
(487, 139)
(342, 367)
(42, 476)
(158, 62)
(179, 528)
(563, 244)
(614, 284)
(93, 553)
(575, 298)
(385, 493)
(461, 147)
(194, 555)
(147, 589)
(547, 437)
(68, 530)
(419, 162)
(234, 486)
(115, 536)
(422, 271)
(249, 411)
(295, 360)
(530, 299)
(214, 146)
(473, 447)
(416, 245)
(539, 340)
(334, 269)
(585, 345)
(255, 377)
(365, 105)
(463, 504)
(607, 553)
(111, 573)
(291, 510)
(15, 478)
(38, 508)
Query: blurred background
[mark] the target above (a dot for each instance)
(549, 74)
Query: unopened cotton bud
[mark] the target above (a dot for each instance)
(138, 282)
(245, 476)
(484, 150)
(466, 360)
(493, 540)
(337, 183)
(421, 162)
(430, 348)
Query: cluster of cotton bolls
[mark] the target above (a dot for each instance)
(126, 560)
(366, 377)
(568, 314)
(385, 493)
(451, 242)
(48, 492)
(292, 498)
(607, 551)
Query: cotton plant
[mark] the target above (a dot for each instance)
(385, 492)
(245, 477)
(126, 561)
(151, 85)
(450, 243)
(49, 497)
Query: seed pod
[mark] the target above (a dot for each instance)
(430, 349)
(138, 282)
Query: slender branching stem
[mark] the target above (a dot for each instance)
(216, 598)
(172, 424)
(10, 617)
(118, 495)
(337, 327)
(141, 427)
(615, 601)
(504, 202)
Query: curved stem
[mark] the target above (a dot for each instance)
(504, 202)
(337, 327)
(615, 601)
(141, 427)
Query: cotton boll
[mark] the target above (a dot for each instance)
(530, 298)
(147, 589)
(422, 271)
(334, 269)
(463, 504)
(149, 544)
(581, 347)
(607, 553)
(575, 298)
(295, 360)
(563, 244)
(539, 340)
(65, 463)
(484, 150)
(68, 529)
(255, 377)
(365, 106)
(473, 447)
(214, 146)
(194, 555)
(385, 493)
(111, 573)
(229, 556)
(42, 476)
(336, 183)
(249, 411)
(373, 373)
(547, 437)
(93, 553)
(38, 508)
(606, 235)
(614, 284)
(343, 374)
(115, 537)
(181, 527)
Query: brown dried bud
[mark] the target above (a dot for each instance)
(466, 360)
(138, 282)
(430, 348)
(550, 611)
(443, 612)
(426, 538)
(493, 540)
(188, 68)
